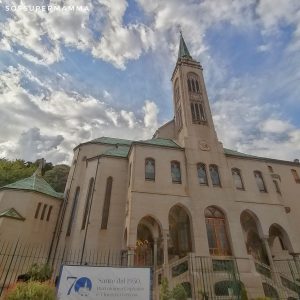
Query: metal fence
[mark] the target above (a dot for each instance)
(283, 280)
(17, 258)
(203, 278)
(214, 278)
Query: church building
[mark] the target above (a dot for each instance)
(181, 197)
(212, 219)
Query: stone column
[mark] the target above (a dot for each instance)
(130, 255)
(274, 274)
(155, 253)
(166, 256)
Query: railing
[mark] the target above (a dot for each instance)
(16, 259)
(283, 281)
(215, 278)
(203, 277)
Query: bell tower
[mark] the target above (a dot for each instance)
(193, 118)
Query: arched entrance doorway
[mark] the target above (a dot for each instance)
(149, 243)
(180, 242)
(279, 242)
(254, 243)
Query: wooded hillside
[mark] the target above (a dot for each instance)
(14, 170)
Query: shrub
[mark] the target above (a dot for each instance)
(40, 272)
(179, 293)
(165, 293)
(32, 290)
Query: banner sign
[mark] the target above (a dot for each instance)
(107, 283)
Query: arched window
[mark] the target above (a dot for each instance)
(180, 242)
(216, 232)
(193, 86)
(178, 118)
(202, 176)
(87, 203)
(149, 169)
(175, 172)
(75, 201)
(176, 92)
(214, 174)
(277, 188)
(193, 83)
(106, 204)
(197, 86)
(260, 181)
(38, 210)
(237, 178)
(189, 85)
(295, 175)
(198, 114)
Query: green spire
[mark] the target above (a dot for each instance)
(183, 50)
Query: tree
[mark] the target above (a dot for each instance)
(14, 170)
(57, 177)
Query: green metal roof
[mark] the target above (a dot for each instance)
(11, 213)
(112, 141)
(120, 151)
(230, 152)
(183, 51)
(123, 146)
(34, 183)
(161, 142)
(240, 154)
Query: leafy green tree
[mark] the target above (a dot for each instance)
(14, 170)
(57, 177)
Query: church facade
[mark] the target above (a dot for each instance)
(182, 194)
(181, 197)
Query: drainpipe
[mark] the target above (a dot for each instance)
(89, 213)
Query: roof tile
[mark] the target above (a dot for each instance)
(34, 183)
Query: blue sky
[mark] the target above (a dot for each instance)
(70, 76)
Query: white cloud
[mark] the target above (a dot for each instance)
(246, 124)
(264, 48)
(33, 144)
(33, 127)
(274, 13)
(41, 35)
(243, 119)
(151, 111)
(275, 126)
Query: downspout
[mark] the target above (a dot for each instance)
(89, 213)
(61, 216)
